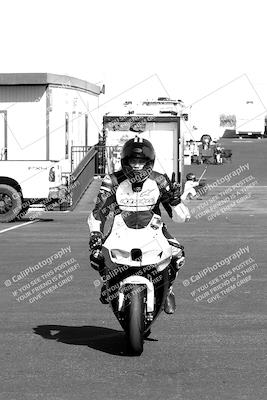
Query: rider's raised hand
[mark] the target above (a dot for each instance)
(175, 196)
(172, 194)
(171, 197)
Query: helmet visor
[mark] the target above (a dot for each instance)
(137, 164)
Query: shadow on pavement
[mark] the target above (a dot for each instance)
(26, 219)
(99, 338)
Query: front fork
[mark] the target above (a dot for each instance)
(155, 296)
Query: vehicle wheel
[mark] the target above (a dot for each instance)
(135, 308)
(23, 212)
(10, 203)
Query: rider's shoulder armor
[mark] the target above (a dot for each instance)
(112, 181)
(160, 180)
(118, 177)
(107, 183)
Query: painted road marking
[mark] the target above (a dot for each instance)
(237, 186)
(18, 226)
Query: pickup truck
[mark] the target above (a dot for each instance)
(24, 183)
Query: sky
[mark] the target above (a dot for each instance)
(210, 54)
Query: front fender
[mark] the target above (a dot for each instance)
(136, 280)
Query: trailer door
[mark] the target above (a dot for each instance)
(163, 136)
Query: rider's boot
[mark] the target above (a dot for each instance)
(176, 264)
(103, 294)
(170, 306)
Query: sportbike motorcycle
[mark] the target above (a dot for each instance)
(137, 258)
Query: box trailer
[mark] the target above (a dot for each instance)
(159, 121)
(249, 122)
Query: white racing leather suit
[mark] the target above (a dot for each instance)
(116, 194)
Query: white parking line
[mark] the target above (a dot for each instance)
(235, 186)
(18, 226)
(242, 141)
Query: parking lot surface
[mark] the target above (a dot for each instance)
(65, 345)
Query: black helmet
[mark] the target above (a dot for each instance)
(137, 159)
(191, 177)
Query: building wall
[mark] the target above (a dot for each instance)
(26, 121)
(69, 109)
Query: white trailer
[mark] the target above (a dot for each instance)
(249, 122)
(42, 116)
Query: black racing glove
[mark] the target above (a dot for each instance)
(171, 196)
(96, 257)
(95, 241)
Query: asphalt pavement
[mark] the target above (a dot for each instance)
(58, 342)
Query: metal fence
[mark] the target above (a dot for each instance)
(82, 175)
(77, 154)
(107, 159)
(89, 161)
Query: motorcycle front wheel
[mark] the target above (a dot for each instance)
(135, 308)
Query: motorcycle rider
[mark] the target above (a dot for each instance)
(140, 190)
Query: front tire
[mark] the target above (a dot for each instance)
(10, 203)
(135, 332)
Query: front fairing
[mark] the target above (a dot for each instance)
(128, 238)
